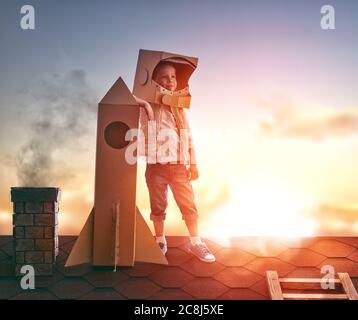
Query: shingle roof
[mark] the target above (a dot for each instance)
(239, 272)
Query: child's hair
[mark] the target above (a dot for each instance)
(160, 65)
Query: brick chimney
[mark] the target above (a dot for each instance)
(35, 228)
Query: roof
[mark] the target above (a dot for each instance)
(239, 272)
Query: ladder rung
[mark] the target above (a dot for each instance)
(315, 296)
(306, 280)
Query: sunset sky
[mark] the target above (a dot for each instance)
(274, 110)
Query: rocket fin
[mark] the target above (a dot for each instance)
(82, 251)
(146, 250)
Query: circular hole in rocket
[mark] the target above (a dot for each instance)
(115, 133)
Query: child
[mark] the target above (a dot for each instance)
(168, 168)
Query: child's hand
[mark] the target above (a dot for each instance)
(147, 107)
(192, 172)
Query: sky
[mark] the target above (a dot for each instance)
(274, 107)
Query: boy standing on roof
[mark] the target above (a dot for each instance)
(173, 163)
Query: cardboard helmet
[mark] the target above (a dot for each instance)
(145, 87)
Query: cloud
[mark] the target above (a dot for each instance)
(337, 126)
(327, 211)
(302, 122)
(335, 219)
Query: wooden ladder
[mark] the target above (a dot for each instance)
(274, 285)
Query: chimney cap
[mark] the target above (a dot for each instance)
(33, 194)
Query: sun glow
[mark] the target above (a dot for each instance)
(5, 223)
(261, 208)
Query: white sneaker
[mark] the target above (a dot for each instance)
(202, 252)
(163, 247)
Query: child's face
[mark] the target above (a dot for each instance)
(166, 77)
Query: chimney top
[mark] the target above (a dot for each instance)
(32, 194)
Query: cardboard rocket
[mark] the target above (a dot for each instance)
(115, 232)
(147, 89)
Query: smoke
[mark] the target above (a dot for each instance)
(63, 113)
